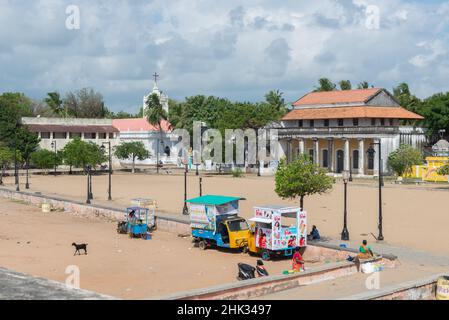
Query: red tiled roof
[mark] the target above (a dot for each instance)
(337, 97)
(140, 124)
(351, 112)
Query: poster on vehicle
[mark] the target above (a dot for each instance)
(263, 238)
(302, 229)
(263, 213)
(202, 216)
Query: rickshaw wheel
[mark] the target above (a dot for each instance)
(266, 255)
(202, 245)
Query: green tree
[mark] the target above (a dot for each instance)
(435, 111)
(6, 157)
(301, 178)
(45, 159)
(134, 150)
(325, 85)
(13, 107)
(363, 85)
(54, 101)
(79, 154)
(156, 115)
(345, 85)
(402, 160)
(275, 99)
(444, 170)
(85, 103)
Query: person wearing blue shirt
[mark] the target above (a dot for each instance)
(314, 234)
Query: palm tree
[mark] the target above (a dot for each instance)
(155, 115)
(345, 85)
(55, 103)
(363, 85)
(325, 84)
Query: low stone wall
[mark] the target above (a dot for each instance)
(263, 286)
(422, 289)
(165, 222)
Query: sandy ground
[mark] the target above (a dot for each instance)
(416, 217)
(40, 244)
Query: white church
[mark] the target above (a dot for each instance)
(140, 129)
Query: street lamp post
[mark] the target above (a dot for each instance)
(345, 232)
(201, 187)
(371, 152)
(53, 144)
(16, 167)
(110, 169)
(27, 184)
(88, 184)
(350, 169)
(185, 210)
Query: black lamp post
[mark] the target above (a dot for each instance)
(345, 232)
(88, 184)
(185, 210)
(371, 153)
(16, 167)
(201, 187)
(53, 144)
(27, 184)
(350, 169)
(110, 169)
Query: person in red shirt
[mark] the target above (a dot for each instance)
(297, 261)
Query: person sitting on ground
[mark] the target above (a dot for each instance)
(297, 261)
(314, 234)
(365, 251)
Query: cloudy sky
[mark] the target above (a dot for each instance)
(234, 49)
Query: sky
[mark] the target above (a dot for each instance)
(234, 49)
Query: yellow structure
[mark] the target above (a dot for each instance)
(429, 171)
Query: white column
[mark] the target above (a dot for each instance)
(330, 151)
(346, 155)
(361, 156)
(316, 148)
(301, 146)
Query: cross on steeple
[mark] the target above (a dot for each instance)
(155, 76)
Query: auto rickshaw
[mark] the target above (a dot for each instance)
(215, 222)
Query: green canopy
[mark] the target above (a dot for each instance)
(213, 200)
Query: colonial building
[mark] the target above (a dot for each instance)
(55, 133)
(337, 128)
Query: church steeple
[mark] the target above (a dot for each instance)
(162, 96)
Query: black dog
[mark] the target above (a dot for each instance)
(79, 247)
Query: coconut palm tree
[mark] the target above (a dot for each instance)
(53, 100)
(156, 114)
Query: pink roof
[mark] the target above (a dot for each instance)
(337, 96)
(139, 124)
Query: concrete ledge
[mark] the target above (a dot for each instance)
(19, 286)
(267, 285)
(422, 289)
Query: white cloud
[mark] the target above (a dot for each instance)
(233, 49)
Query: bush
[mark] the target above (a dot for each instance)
(237, 173)
(44, 159)
(402, 160)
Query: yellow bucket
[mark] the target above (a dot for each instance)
(443, 288)
(46, 207)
